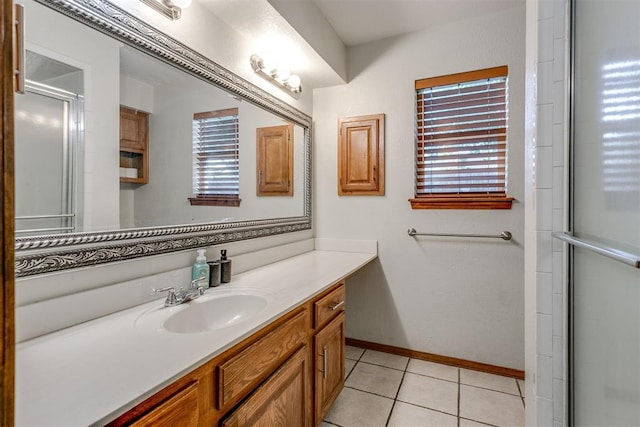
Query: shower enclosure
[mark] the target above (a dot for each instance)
(48, 129)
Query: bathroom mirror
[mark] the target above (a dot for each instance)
(103, 59)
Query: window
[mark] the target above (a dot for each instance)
(461, 141)
(216, 169)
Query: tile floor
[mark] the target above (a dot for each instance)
(383, 389)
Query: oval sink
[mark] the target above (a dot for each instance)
(213, 311)
(216, 313)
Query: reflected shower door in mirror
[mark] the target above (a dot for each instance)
(48, 127)
(72, 173)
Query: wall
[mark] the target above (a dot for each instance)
(459, 298)
(545, 278)
(97, 56)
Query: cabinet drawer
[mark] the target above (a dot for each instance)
(327, 307)
(246, 369)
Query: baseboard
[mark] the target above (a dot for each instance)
(453, 361)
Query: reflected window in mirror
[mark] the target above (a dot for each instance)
(216, 165)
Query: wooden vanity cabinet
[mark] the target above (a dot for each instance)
(287, 374)
(329, 347)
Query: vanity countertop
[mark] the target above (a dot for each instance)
(90, 373)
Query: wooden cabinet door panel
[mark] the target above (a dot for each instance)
(361, 156)
(280, 401)
(275, 161)
(329, 367)
(133, 129)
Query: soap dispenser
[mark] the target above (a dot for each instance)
(225, 267)
(200, 270)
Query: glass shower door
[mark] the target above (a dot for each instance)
(605, 215)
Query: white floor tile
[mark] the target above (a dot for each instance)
(430, 393)
(491, 407)
(355, 408)
(436, 370)
(375, 379)
(405, 415)
(385, 359)
(490, 381)
(353, 353)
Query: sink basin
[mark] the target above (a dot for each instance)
(216, 313)
(211, 312)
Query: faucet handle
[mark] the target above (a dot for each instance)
(172, 298)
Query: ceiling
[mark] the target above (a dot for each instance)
(315, 34)
(363, 21)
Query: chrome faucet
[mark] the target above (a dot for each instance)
(183, 295)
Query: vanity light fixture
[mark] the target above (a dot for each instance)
(281, 77)
(172, 9)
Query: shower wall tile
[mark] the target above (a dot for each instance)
(544, 303)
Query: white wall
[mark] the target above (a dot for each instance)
(459, 298)
(98, 56)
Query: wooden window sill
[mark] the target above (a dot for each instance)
(461, 202)
(215, 201)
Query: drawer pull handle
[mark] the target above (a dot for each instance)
(336, 305)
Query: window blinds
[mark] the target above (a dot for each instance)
(461, 134)
(216, 169)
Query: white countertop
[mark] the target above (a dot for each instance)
(91, 373)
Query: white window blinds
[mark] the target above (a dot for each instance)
(461, 134)
(216, 169)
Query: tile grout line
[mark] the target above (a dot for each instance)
(395, 399)
(520, 391)
(459, 379)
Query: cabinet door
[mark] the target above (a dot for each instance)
(133, 129)
(361, 156)
(275, 161)
(329, 368)
(280, 401)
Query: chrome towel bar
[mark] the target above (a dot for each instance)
(618, 255)
(505, 235)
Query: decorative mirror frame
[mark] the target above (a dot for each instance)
(44, 254)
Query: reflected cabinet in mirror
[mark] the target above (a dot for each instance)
(130, 144)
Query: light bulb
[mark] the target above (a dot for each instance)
(294, 81)
(283, 73)
(268, 66)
